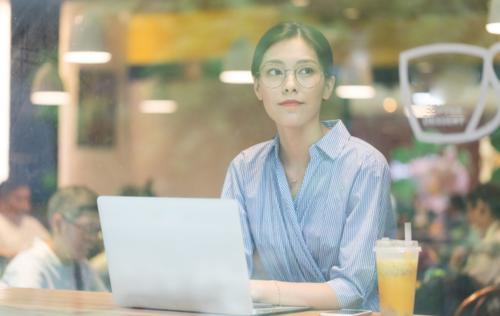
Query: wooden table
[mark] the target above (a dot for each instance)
(58, 302)
(23, 302)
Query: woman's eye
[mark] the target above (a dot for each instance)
(307, 71)
(274, 72)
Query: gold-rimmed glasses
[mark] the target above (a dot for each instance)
(307, 75)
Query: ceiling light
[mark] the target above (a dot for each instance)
(87, 41)
(158, 106)
(47, 88)
(493, 25)
(236, 76)
(236, 64)
(355, 77)
(157, 99)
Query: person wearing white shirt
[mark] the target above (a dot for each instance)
(18, 229)
(61, 262)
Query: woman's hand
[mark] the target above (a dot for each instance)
(315, 295)
(258, 288)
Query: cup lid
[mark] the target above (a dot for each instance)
(396, 243)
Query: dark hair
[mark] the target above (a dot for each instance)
(11, 185)
(488, 193)
(288, 30)
(458, 203)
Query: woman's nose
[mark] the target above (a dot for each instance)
(289, 84)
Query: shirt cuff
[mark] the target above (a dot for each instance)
(346, 294)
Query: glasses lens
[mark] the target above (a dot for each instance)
(308, 75)
(92, 230)
(272, 75)
(89, 229)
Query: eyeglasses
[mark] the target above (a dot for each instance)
(89, 230)
(307, 75)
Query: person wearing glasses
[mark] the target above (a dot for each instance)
(61, 263)
(314, 199)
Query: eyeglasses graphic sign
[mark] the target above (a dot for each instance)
(450, 92)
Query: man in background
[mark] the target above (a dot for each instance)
(61, 262)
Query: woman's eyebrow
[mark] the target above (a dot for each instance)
(274, 61)
(306, 61)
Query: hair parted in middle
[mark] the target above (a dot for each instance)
(289, 30)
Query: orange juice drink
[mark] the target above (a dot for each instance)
(397, 276)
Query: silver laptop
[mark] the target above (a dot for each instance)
(180, 254)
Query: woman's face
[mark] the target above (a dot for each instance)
(296, 102)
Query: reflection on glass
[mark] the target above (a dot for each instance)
(158, 106)
(236, 76)
(236, 64)
(86, 43)
(493, 25)
(47, 87)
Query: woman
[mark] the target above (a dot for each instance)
(314, 199)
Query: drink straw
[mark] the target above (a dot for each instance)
(407, 231)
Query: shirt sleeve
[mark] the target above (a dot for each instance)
(483, 264)
(233, 189)
(369, 213)
(23, 272)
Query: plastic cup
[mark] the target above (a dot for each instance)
(397, 262)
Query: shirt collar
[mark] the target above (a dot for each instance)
(331, 143)
(334, 141)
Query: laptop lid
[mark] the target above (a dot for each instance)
(176, 253)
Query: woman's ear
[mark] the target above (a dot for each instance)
(328, 89)
(256, 88)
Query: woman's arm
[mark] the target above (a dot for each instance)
(315, 295)
(233, 189)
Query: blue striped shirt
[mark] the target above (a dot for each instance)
(328, 231)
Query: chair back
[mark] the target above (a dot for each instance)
(483, 302)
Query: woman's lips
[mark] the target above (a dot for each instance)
(290, 103)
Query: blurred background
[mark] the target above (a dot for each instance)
(109, 133)
(155, 98)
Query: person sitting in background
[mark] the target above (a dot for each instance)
(18, 229)
(482, 261)
(61, 263)
(473, 265)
